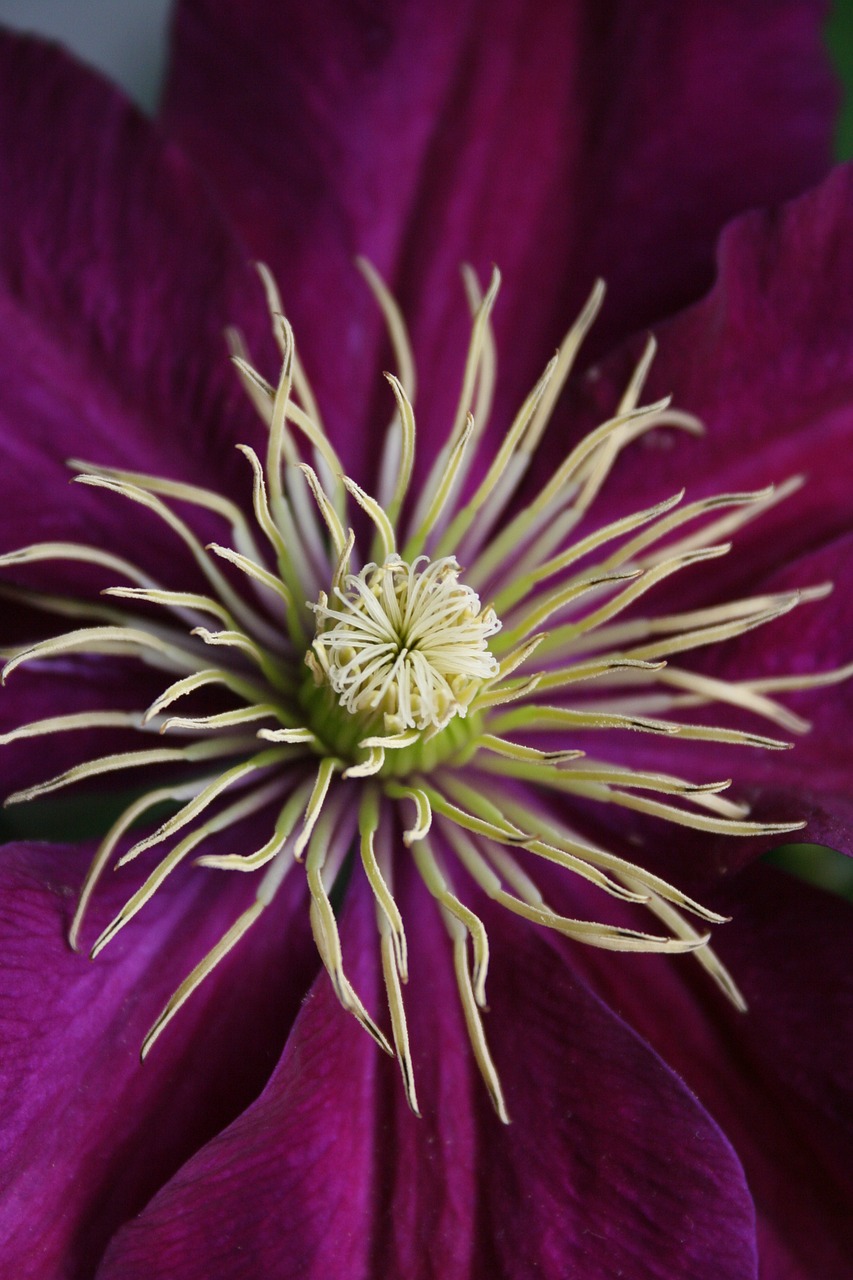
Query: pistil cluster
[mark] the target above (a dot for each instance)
(373, 710)
(407, 641)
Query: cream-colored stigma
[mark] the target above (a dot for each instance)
(409, 642)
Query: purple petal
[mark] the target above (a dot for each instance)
(89, 1133)
(554, 139)
(303, 1183)
(117, 280)
(765, 361)
(609, 1163)
(778, 1078)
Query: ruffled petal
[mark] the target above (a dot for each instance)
(609, 1163)
(765, 361)
(555, 139)
(117, 280)
(90, 1133)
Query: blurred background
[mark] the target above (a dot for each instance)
(128, 41)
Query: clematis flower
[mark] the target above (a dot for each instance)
(486, 671)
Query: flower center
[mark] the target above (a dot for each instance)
(423, 720)
(408, 642)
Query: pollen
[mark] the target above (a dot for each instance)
(408, 642)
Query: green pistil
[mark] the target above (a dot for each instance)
(339, 733)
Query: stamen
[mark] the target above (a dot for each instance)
(393, 957)
(39, 551)
(383, 525)
(325, 928)
(435, 879)
(487, 369)
(206, 966)
(327, 511)
(104, 640)
(552, 497)
(105, 850)
(248, 617)
(557, 845)
(421, 704)
(128, 760)
(327, 768)
(394, 322)
(462, 523)
(447, 483)
(368, 824)
(173, 858)
(265, 661)
(285, 823)
(199, 680)
(77, 720)
(252, 570)
(223, 719)
(496, 827)
(190, 493)
(603, 936)
(199, 802)
(402, 470)
(423, 810)
(463, 423)
(179, 601)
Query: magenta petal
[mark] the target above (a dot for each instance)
(88, 1132)
(559, 140)
(618, 1170)
(117, 280)
(610, 1164)
(778, 1078)
(300, 1185)
(765, 361)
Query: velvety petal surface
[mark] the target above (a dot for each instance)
(609, 1167)
(778, 1078)
(559, 140)
(117, 280)
(89, 1133)
(766, 363)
